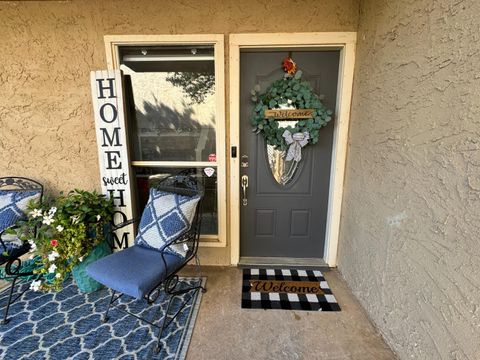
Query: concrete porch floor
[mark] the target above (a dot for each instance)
(224, 330)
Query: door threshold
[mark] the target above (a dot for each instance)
(248, 261)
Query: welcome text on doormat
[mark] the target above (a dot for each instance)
(295, 287)
(287, 289)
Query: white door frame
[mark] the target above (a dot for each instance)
(345, 42)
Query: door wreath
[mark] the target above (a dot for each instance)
(291, 99)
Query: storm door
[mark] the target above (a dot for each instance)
(283, 210)
(171, 96)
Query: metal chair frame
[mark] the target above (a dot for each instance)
(171, 283)
(14, 273)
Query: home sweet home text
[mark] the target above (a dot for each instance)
(108, 108)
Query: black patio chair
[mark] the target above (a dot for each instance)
(163, 246)
(15, 194)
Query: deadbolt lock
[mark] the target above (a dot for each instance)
(244, 161)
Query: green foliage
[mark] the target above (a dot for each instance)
(196, 85)
(64, 230)
(293, 91)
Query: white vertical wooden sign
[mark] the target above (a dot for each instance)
(108, 108)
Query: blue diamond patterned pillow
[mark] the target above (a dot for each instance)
(165, 217)
(13, 206)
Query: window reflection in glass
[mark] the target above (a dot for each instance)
(172, 103)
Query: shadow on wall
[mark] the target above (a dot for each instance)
(158, 116)
(164, 133)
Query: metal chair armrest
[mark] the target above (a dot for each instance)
(15, 272)
(123, 224)
(2, 243)
(1, 240)
(186, 237)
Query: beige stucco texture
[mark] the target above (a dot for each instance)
(49, 48)
(410, 229)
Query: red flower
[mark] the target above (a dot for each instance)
(54, 242)
(289, 66)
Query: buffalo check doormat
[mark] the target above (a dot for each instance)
(287, 289)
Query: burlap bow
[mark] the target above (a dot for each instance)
(296, 142)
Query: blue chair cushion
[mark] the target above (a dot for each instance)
(165, 218)
(13, 206)
(133, 271)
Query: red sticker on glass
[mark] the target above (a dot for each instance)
(212, 157)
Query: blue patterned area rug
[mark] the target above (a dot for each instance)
(67, 325)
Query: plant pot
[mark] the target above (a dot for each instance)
(84, 282)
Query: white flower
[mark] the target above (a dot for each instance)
(52, 268)
(35, 213)
(59, 228)
(53, 255)
(58, 275)
(52, 211)
(80, 258)
(289, 101)
(47, 220)
(98, 217)
(33, 246)
(75, 219)
(35, 285)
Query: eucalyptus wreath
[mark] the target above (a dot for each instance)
(289, 91)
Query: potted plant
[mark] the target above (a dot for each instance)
(67, 233)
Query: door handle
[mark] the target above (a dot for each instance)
(244, 189)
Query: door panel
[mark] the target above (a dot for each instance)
(286, 221)
(265, 222)
(299, 222)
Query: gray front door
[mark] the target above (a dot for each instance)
(286, 221)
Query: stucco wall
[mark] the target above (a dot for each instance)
(49, 48)
(410, 230)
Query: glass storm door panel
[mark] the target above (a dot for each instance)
(171, 104)
(285, 218)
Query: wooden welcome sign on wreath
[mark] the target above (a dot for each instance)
(288, 114)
